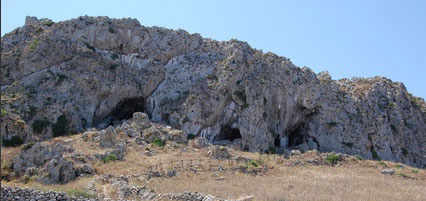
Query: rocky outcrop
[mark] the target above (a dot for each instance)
(47, 164)
(65, 77)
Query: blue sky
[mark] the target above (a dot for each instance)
(360, 38)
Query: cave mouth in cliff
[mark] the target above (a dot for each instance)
(124, 110)
(277, 141)
(295, 137)
(228, 133)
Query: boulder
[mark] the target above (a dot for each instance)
(36, 156)
(59, 171)
(198, 143)
(219, 152)
(108, 137)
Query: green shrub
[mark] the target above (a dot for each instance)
(4, 112)
(80, 193)
(383, 164)
(414, 171)
(359, 157)
(374, 153)
(13, 142)
(190, 136)
(403, 175)
(61, 127)
(158, 142)
(253, 163)
(111, 29)
(404, 151)
(398, 166)
(90, 47)
(112, 67)
(27, 146)
(114, 56)
(34, 44)
(333, 123)
(241, 95)
(111, 157)
(32, 111)
(48, 23)
(60, 79)
(39, 125)
(332, 158)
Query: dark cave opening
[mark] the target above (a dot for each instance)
(123, 110)
(295, 137)
(228, 133)
(277, 141)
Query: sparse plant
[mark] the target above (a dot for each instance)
(61, 126)
(48, 23)
(332, 123)
(253, 163)
(39, 125)
(4, 112)
(398, 166)
(109, 158)
(383, 164)
(403, 175)
(13, 141)
(80, 193)
(374, 153)
(158, 142)
(404, 151)
(359, 157)
(114, 56)
(414, 171)
(113, 67)
(27, 146)
(332, 158)
(34, 43)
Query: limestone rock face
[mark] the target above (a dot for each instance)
(97, 72)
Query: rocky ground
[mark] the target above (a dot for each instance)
(66, 77)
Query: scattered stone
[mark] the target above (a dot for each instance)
(388, 171)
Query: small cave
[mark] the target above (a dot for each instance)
(296, 137)
(277, 141)
(228, 133)
(123, 110)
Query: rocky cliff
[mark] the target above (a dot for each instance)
(65, 77)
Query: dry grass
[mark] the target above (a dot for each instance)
(299, 183)
(354, 180)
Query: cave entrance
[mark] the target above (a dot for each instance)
(123, 110)
(228, 133)
(277, 141)
(295, 137)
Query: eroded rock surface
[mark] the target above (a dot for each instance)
(96, 72)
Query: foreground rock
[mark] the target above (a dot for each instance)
(48, 165)
(105, 69)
